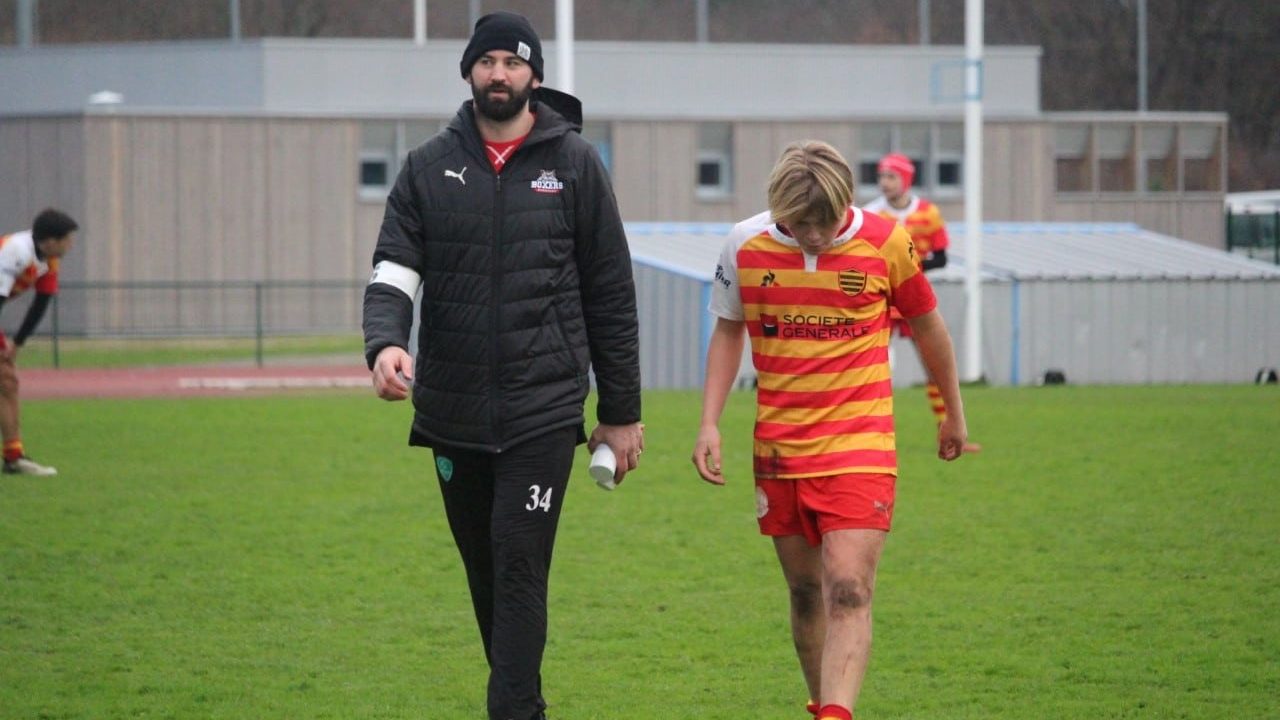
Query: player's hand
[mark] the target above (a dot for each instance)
(626, 441)
(392, 373)
(8, 350)
(952, 435)
(706, 455)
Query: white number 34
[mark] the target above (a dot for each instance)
(539, 500)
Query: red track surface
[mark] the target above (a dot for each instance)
(37, 383)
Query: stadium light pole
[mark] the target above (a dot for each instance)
(973, 15)
(564, 45)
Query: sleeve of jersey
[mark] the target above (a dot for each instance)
(388, 299)
(8, 272)
(938, 240)
(47, 284)
(911, 292)
(726, 298)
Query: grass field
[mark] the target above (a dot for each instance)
(1114, 553)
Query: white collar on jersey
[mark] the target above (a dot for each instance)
(881, 205)
(855, 224)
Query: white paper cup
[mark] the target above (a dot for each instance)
(603, 465)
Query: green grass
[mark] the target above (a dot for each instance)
(1112, 554)
(135, 352)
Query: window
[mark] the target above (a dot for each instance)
(1145, 157)
(1071, 159)
(1201, 158)
(875, 140)
(714, 161)
(1159, 159)
(936, 149)
(378, 159)
(949, 158)
(913, 141)
(1115, 158)
(383, 147)
(375, 171)
(600, 135)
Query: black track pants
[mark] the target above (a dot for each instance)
(503, 510)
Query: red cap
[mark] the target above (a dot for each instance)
(900, 165)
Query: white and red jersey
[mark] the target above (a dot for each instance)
(921, 219)
(819, 331)
(21, 268)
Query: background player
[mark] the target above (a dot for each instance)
(27, 259)
(923, 221)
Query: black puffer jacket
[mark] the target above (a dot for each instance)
(526, 281)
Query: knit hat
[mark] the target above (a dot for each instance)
(900, 165)
(504, 31)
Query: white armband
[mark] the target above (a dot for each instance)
(397, 276)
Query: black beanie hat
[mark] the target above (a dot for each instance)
(504, 31)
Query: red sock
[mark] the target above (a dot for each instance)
(834, 712)
(13, 450)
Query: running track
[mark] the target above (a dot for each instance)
(206, 381)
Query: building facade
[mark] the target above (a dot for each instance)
(271, 159)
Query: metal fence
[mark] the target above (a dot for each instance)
(190, 309)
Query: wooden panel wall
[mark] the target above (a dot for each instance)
(224, 198)
(43, 162)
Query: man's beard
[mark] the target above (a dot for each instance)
(501, 110)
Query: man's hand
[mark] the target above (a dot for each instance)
(626, 441)
(8, 351)
(392, 371)
(952, 435)
(706, 455)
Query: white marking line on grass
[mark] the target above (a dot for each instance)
(271, 383)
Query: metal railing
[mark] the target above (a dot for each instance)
(203, 309)
(1255, 234)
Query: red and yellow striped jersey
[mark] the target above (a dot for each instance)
(819, 330)
(21, 267)
(922, 220)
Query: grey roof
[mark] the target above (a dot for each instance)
(688, 249)
(1021, 251)
(1097, 251)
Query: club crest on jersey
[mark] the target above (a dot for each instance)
(547, 183)
(853, 282)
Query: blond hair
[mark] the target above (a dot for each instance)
(811, 181)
